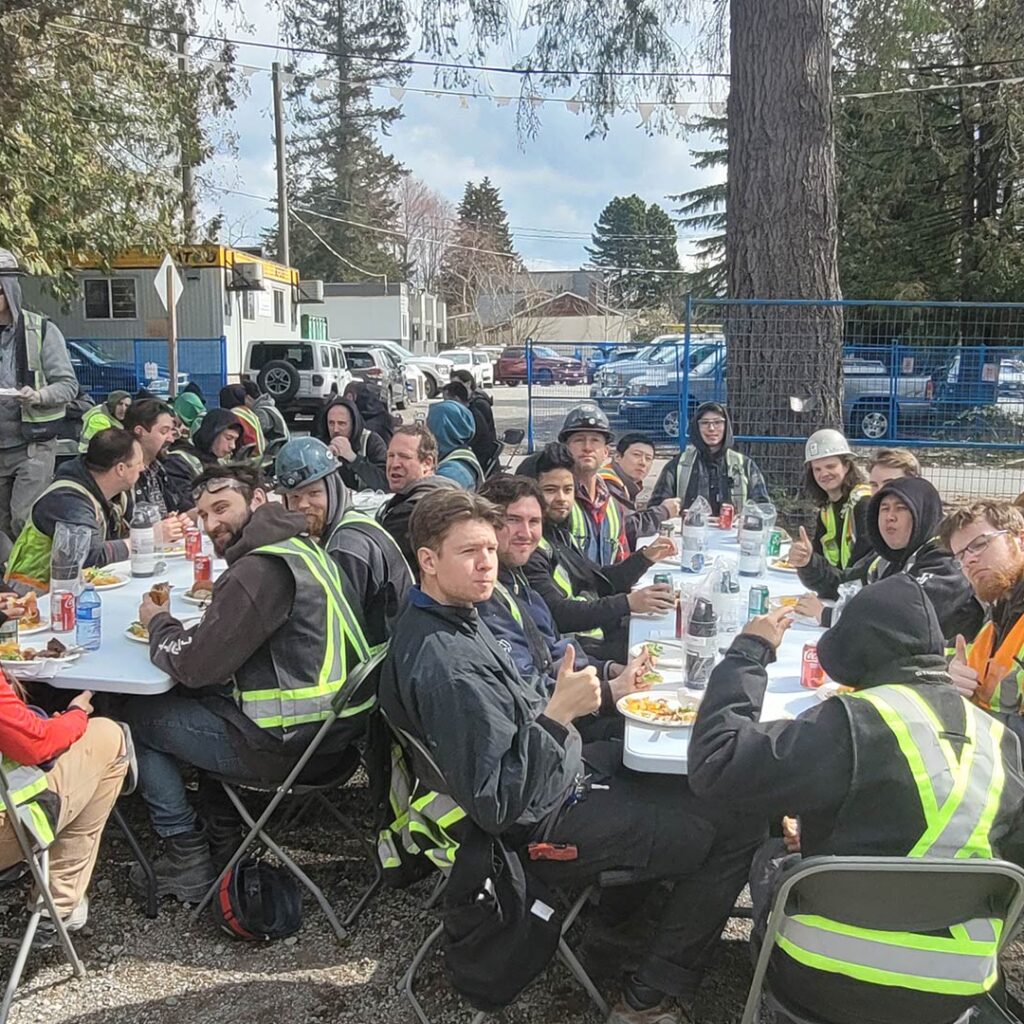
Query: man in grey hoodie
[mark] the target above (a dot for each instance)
(36, 383)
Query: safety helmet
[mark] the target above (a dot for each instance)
(587, 417)
(301, 461)
(9, 262)
(258, 901)
(823, 444)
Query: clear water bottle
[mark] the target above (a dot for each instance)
(142, 540)
(88, 618)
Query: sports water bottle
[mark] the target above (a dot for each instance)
(88, 614)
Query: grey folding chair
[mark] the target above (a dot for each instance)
(38, 861)
(889, 894)
(564, 952)
(292, 787)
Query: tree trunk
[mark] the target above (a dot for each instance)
(781, 230)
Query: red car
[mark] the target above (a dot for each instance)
(548, 367)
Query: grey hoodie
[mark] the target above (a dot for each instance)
(61, 383)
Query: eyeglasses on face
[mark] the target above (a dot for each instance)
(976, 547)
(711, 423)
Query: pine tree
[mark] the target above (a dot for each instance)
(632, 234)
(337, 167)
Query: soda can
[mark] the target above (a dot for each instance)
(666, 530)
(202, 568)
(757, 603)
(663, 577)
(725, 517)
(9, 631)
(193, 543)
(775, 544)
(691, 561)
(62, 611)
(812, 675)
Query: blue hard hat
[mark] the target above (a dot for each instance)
(302, 461)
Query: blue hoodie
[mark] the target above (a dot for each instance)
(452, 424)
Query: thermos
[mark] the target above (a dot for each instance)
(701, 644)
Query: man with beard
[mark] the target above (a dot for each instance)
(281, 619)
(987, 541)
(362, 454)
(586, 598)
(308, 476)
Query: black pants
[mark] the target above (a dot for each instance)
(653, 827)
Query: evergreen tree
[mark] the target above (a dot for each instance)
(633, 240)
(335, 162)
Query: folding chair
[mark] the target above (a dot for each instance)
(889, 894)
(564, 951)
(314, 791)
(38, 861)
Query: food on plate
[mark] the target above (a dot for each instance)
(661, 710)
(652, 678)
(139, 630)
(27, 607)
(202, 588)
(833, 690)
(787, 600)
(13, 652)
(160, 594)
(101, 577)
(781, 563)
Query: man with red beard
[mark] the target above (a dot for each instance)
(987, 542)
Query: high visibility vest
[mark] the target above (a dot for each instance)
(839, 537)
(190, 460)
(29, 560)
(1001, 673)
(26, 783)
(735, 463)
(610, 529)
(421, 823)
(959, 800)
(96, 419)
(467, 456)
(564, 583)
(252, 422)
(513, 606)
(35, 329)
(310, 654)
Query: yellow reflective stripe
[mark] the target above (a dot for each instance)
(905, 940)
(513, 607)
(925, 708)
(358, 709)
(979, 839)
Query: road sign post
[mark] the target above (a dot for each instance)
(169, 287)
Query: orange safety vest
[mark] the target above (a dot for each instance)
(1002, 674)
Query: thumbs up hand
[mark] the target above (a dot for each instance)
(800, 551)
(963, 677)
(576, 693)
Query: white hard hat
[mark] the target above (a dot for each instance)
(824, 444)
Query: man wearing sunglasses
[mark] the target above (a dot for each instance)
(709, 467)
(256, 676)
(987, 542)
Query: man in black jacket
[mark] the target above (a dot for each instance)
(903, 521)
(846, 769)
(521, 772)
(362, 453)
(582, 595)
(485, 439)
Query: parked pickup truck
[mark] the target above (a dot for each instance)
(651, 399)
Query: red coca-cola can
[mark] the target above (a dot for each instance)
(725, 517)
(202, 568)
(62, 611)
(193, 543)
(812, 675)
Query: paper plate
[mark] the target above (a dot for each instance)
(831, 689)
(670, 701)
(671, 657)
(189, 598)
(775, 566)
(171, 553)
(122, 581)
(137, 639)
(42, 627)
(39, 668)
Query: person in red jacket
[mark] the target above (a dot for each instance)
(64, 773)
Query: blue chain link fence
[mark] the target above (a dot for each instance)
(943, 379)
(105, 365)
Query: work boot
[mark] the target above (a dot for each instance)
(666, 1012)
(184, 870)
(46, 931)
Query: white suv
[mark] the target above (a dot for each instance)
(298, 375)
(476, 361)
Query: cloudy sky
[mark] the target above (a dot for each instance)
(558, 181)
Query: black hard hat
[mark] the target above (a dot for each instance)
(257, 901)
(587, 417)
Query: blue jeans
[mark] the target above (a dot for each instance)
(168, 729)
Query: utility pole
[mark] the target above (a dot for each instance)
(283, 240)
(186, 140)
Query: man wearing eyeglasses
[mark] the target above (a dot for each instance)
(987, 541)
(709, 467)
(256, 676)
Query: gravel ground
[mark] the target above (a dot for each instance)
(169, 970)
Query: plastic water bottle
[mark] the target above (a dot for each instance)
(142, 540)
(88, 619)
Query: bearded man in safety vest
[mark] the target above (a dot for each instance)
(900, 766)
(987, 542)
(273, 651)
(710, 467)
(34, 363)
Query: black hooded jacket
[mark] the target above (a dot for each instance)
(395, 514)
(213, 423)
(924, 558)
(710, 478)
(839, 767)
(366, 472)
(373, 410)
